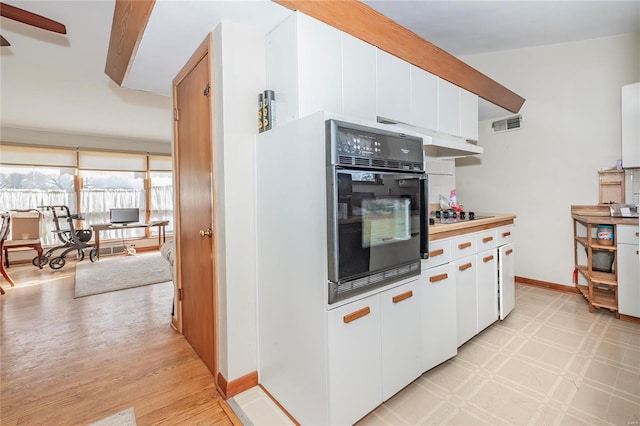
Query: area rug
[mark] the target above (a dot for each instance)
(121, 272)
(123, 418)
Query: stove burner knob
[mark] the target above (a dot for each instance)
(432, 221)
(438, 214)
(454, 215)
(472, 215)
(462, 215)
(445, 214)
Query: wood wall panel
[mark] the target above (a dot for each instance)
(130, 19)
(365, 23)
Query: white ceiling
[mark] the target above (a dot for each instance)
(49, 81)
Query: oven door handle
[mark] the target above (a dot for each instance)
(424, 216)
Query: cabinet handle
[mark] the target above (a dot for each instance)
(487, 239)
(508, 252)
(436, 252)
(437, 278)
(403, 296)
(464, 245)
(357, 314)
(637, 234)
(465, 266)
(506, 234)
(487, 259)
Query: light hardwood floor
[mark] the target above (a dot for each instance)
(67, 361)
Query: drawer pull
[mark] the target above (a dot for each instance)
(487, 259)
(357, 314)
(487, 239)
(436, 253)
(464, 245)
(637, 234)
(437, 278)
(508, 252)
(506, 234)
(403, 296)
(465, 266)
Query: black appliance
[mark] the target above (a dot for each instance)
(376, 208)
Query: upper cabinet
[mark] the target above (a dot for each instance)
(393, 77)
(304, 67)
(468, 115)
(314, 67)
(631, 125)
(448, 108)
(424, 98)
(358, 78)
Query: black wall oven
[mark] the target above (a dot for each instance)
(376, 208)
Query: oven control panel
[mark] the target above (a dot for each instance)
(358, 143)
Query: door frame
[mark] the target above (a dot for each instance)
(205, 48)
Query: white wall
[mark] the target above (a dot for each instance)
(571, 129)
(239, 56)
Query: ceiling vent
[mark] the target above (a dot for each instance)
(507, 124)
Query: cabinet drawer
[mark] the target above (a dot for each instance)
(505, 234)
(628, 234)
(439, 254)
(463, 246)
(487, 239)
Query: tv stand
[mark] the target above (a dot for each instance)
(162, 237)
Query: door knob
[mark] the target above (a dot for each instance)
(208, 233)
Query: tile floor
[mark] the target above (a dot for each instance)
(550, 362)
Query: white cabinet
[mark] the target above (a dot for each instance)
(304, 67)
(401, 338)
(448, 108)
(628, 270)
(439, 331)
(487, 288)
(439, 253)
(393, 83)
(468, 115)
(631, 125)
(355, 360)
(466, 298)
(424, 98)
(506, 279)
(358, 78)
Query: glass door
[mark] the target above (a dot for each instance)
(376, 224)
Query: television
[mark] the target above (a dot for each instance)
(124, 216)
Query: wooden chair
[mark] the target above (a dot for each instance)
(5, 217)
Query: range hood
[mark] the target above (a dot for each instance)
(440, 145)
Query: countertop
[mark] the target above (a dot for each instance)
(606, 220)
(439, 231)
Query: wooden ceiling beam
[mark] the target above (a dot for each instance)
(130, 18)
(361, 21)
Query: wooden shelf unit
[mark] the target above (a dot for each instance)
(601, 290)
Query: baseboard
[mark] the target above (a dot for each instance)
(546, 284)
(629, 318)
(234, 387)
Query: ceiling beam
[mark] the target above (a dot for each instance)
(361, 21)
(130, 18)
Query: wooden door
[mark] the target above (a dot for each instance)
(195, 220)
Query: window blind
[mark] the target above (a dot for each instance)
(36, 156)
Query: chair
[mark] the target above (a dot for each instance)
(25, 233)
(4, 231)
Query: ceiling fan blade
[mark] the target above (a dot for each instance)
(4, 42)
(30, 18)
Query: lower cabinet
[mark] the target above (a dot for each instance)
(466, 298)
(487, 288)
(438, 294)
(628, 270)
(375, 350)
(506, 279)
(355, 360)
(401, 338)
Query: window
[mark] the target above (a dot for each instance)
(29, 187)
(102, 191)
(89, 182)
